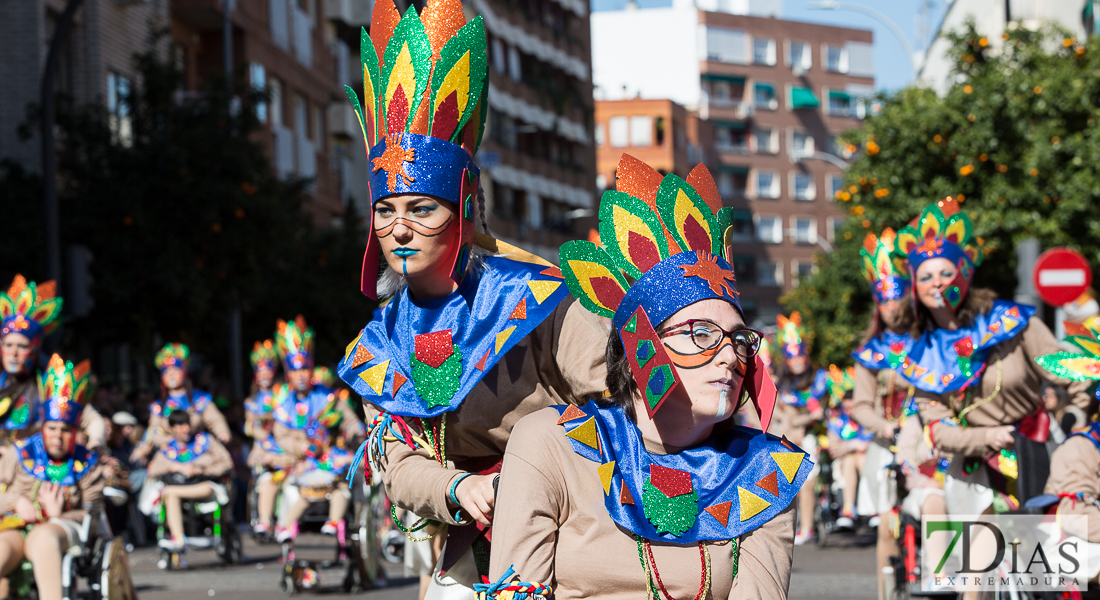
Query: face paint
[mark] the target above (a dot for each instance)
(722, 404)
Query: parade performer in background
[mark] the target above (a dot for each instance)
(261, 400)
(192, 466)
(477, 333)
(978, 385)
(49, 481)
(882, 392)
(298, 404)
(848, 441)
(266, 457)
(28, 313)
(177, 394)
(656, 472)
(802, 391)
(320, 473)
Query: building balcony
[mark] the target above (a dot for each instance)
(354, 13)
(342, 120)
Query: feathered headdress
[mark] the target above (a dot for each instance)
(839, 382)
(295, 343)
(425, 89)
(323, 376)
(1072, 365)
(667, 236)
(173, 355)
(30, 309)
(263, 355)
(63, 389)
(791, 335)
(887, 272)
(942, 231)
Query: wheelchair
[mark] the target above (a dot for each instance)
(267, 537)
(97, 557)
(206, 524)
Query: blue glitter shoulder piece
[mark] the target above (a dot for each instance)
(261, 403)
(887, 350)
(422, 359)
(24, 411)
(723, 488)
(846, 429)
(809, 398)
(1092, 432)
(186, 453)
(269, 444)
(36, 462)
(296, 414)
(944, 361)
(196, 405)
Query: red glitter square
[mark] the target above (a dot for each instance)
(434, 348)
(671, 482)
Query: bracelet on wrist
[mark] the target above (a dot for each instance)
(454, 487)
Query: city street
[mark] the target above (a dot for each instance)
(844, 570)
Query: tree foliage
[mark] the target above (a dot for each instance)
(1015, 139)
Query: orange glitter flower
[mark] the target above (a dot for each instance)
(707, 268)
(393, 162)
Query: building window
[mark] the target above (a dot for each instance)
(619, 132)
(834, 183)
(836, 59)
(599, 134)
(832, 228)
(726, 45)
(801, 145)
(515, 70)
(276, 97)
(732, 184)
(641, 131)
(118, 109)
(728, 139)
(741, 227)
(769, 229)
(769, 273)
(765, 140)
(802, 186)
(840, 103)
(804, 230)
(601, 182)
(763, 51)
(767, 184)
(743, 267)
(861, 61)
(500, 56)
(258, 80)
(799, 59)
(764, 96)
(801, 269)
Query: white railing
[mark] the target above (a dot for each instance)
(277, 18)
(283, 151)
(353, 12)
(303, 41)
(342, 120)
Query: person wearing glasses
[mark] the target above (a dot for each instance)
(652, 490)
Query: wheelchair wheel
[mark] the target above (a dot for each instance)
(286, 584)
(229, 546)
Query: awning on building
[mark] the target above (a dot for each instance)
(803, 98)
(766, 87)
(735, 169)
(734, 125)
(844, 96)
(734, 79)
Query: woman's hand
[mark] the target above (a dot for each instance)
(476, 496)
(51, 497)
(25, 509)
(224, 438)
(1000, 438)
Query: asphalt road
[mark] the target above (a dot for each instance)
(844, 570)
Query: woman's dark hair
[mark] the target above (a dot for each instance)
(978, 302)
(621, 386)
(178, 417)
(877, 325)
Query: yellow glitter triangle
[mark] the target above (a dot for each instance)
(376, 376)
(1010, 324)
(585, 433)
(987, 337)
(503, 336)
(606, 470)
(352, 345)
(788, 462)
(866, 355)
(751, 504)
(543, 289)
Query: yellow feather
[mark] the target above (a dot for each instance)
(457, 80)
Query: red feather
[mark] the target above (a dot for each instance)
(446, 117)
(695, 235)
(607, 291)
(397, 113)
(642, 251)
(368, 125)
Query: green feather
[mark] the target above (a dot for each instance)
(471, 39)
(411, 31)
(587, 251)
(608, 227)
(667, 193)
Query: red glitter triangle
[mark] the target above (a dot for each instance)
(624, 496)
(769, 483)
(671, 482)
(480, 366)
(552, 272)
(721, 511)
(788, 444)
(571, 414)
(398, 381)
(1076, 329)
(434, 348)
(362, 357)
(521, 310)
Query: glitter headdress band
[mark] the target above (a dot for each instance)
(667, 236)
(173, 355)
(295, 343)
(29, 308)
(790, 335)
(942, 231)
(263, 355)
(887, 272)
(63, 389)
(425, 89)
(839, 382)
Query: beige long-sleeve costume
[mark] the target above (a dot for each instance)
(294, 441)
(214, 463)
(873, 405)
(210, 419)
(88, 491)
(1012, 380)
(552, 528)
(1075, 469)
(561, 361)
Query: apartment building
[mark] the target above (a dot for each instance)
(660, 133)
(776, 94)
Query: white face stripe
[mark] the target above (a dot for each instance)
(722, 404)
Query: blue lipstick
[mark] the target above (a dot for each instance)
(405, 252)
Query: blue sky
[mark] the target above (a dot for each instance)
(891, 67)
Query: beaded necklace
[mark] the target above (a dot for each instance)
(649, 567)
(436, 442)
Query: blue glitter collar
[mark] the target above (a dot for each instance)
(36, 462)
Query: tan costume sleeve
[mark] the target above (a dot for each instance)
(159, 466)
(1039, 341)
(864, 402)
(94, 427)
(288, 439)
(837, 446)
(351, 427)
(220, 461)
(585, 372)
(157, 434)
(88, 496)
(764, 565)
(9, 465)
(214, 422)
(1075, 469)
(964, 441)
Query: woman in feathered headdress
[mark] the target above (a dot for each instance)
(50, 481)
(977, 385)
(655, 471)
(29, 312)
(265, 456)
(477, 333)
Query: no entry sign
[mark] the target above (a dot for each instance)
(1061, 275)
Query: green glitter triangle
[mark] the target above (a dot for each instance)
(632, 324)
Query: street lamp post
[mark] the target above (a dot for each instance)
(876, 15)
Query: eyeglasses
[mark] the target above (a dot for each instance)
(698, 336)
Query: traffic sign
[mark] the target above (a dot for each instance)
(1061, 275)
